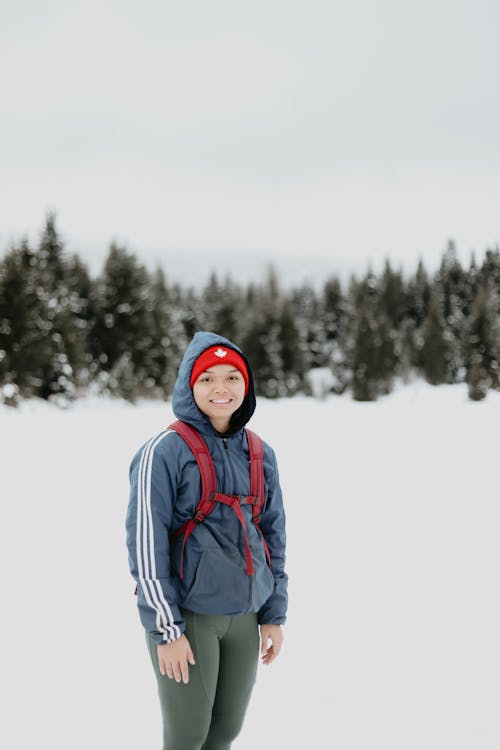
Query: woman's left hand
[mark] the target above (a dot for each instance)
(271, 638)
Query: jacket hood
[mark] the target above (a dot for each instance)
(183, 402)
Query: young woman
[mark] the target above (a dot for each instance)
(203, 597)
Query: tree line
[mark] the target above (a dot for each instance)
(64, 334)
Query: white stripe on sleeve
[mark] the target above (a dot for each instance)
(150, 584)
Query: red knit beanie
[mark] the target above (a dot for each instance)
(218, 355)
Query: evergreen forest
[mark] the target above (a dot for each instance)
(64, 334)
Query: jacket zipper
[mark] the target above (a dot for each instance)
(250, 578)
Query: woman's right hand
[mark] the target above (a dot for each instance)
(174, 657)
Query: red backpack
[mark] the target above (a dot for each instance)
(210, 496)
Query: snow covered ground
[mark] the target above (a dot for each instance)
(393, 639)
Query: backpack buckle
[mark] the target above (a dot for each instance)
(199, 517)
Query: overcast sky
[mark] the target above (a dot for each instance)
(220, 133)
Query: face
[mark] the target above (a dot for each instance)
(218, 393)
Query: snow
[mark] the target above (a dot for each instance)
(394, 621)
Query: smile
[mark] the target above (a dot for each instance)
(221, 400)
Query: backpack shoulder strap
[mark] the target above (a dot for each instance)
(256, 450)
(198, 447)
(257, 487)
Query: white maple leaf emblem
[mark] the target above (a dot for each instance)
(220, 353)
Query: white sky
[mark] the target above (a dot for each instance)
(322, 135)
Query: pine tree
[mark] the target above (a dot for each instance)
(364, 385)
(334, 318)
(121, 333)
(79, 289)
(392, 294)
(373, 356)
(483, 343)
(167, 334)
(471, 286)
(490, 269)
(221, 303)
(23, 322)
(418, 296)
(261, 338)
(451, 278)
(434, 354)
(292, 351)
(305, 308)
(58, 278)
(399, 339)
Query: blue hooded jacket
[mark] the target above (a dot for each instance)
(165, 487)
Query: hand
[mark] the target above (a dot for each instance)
(271, 637)
(174, 657)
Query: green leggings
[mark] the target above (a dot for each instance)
(208, 712)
